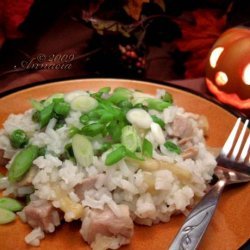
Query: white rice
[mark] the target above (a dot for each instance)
(34, 237)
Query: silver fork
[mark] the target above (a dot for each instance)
(232, 168)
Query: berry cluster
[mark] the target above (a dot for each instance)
(132, 58)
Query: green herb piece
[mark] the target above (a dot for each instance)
(140, 106)
(147, 148)
(157, 104)
(106, 118)
(94, 115)
(84, 119)
(10, 204)
(172, 147)
(130, 138)
(101, 92)
(83, 150)
(119, 95)
(158, 120)
(62, 108)
(54, 99)
(45, 115)
(116, 155)
(115, 130)
(22, 163)
(6, 216)
(36, 105)
(104, 90)
(93, 129)
(125, 104)
(167, 97)
(133, 155)
(105, 146)
(18, 138)
(73, 131)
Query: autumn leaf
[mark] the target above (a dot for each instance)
(134, 8)
(198, 36)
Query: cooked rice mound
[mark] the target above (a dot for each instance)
(109, 199)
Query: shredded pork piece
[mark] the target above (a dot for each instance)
(106, 223)
(41, 213)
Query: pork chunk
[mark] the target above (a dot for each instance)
(41, 213)
(106, 223)
(182, 127)
(88, 183)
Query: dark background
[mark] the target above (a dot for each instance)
(60, 27)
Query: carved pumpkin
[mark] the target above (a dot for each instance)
(228, 68)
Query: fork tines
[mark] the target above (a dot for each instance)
(235, 152)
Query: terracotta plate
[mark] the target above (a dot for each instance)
(229, 228)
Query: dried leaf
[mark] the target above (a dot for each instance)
(134, 8)
(102, 26)
(198, 37)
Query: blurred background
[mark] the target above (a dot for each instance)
(142, 39)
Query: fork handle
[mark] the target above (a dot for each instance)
(195, 225)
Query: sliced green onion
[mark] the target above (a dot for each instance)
(172, 147)
(6, 216)
(157, 104)
(84, 103)
(133, 155)
(158, 120)
(18, 138)
(130, 138)
(45, 115)
(167, 97)
(73, 131)
(147, 148)
(125, 104)
(10, 204)
(53, 98)
(84, 119)
(140, 106)
(104, 147)
(101, 92)
(94, 114)
(119, 95)
(115, 130)
(83, 150)
(139, 118)
(93, 129)
(107, 117)
(116, 155)
(22, 163)
(36, 105)
(62, 108)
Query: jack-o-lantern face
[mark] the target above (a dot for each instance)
(228, 68)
